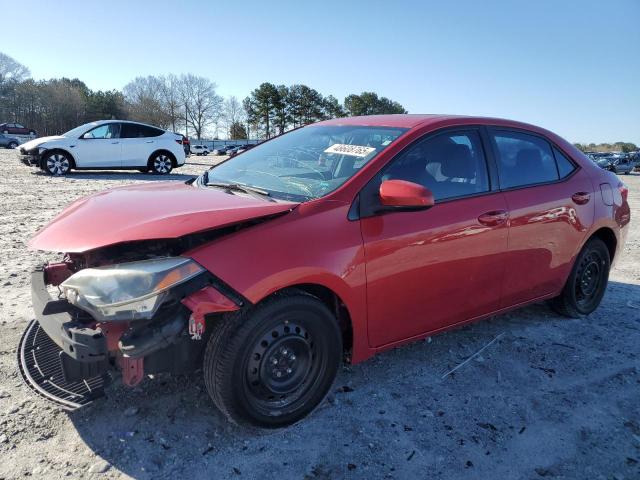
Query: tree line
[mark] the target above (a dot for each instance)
(182, 103)
(625, 147)
(272, 110)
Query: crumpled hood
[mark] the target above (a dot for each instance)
(39, 141)
(146, 212)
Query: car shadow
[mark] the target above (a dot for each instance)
(119, 175)
(169, 427)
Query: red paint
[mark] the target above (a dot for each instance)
(56, 273)
(113, 331)
(146, 212)
(207, 300)
(132, 370)
(402, 275)
(400, 193)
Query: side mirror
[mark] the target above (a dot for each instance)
(403, 195)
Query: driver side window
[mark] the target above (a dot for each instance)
(109, 130)
(450, 164)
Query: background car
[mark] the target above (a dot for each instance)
(107, 144)
(244, 148)
(616, 165)
(232, 151)
(7, 141)
(225, 149)
(623, 165)
(16, 129)
(199, 149)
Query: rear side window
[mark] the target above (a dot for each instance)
(524, 159)
(565, 166)
(450, 165)
(134, 130)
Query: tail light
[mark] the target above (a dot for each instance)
(624, 191)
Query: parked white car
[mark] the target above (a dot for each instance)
(199, 150)
(107, 144)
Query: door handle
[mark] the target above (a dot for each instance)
(493, 218)
(149, 141)
(580, 198)
(114, 143)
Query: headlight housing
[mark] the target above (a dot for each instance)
(127, 291)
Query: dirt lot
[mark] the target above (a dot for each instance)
(552, 398)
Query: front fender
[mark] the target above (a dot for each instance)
(312, 245)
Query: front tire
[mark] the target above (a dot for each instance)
(56, 163)
(271, 365)
(587, 281)
(12, 145)
(161, 163)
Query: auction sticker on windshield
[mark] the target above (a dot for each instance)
(353, 150)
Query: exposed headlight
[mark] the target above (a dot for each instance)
(127, 291)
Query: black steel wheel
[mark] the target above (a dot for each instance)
(587, 281)
(272, 365)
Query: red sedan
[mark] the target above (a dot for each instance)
(16, 129)
(338, 240)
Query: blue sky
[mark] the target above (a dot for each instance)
(572, 66)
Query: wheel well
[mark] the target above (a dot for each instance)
(174, 163)
(333, 303)
(68, 154)
(609, 238)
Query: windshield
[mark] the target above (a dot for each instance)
(306, 163)
(76, 132)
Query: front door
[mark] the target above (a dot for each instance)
(99, 147)
(430, 269)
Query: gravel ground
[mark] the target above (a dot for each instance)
(552, 398)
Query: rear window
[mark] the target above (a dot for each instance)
(565, 166)
(134, 130)
(524, 159)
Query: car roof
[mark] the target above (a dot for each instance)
(424, 120)
(102, 122)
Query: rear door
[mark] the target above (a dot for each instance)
(430, 269)
(99, 147)
(550, 208)
(138, 143)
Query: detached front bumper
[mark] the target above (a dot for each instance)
(59, 358)
(66, 356)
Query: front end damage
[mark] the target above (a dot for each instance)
(68, 355)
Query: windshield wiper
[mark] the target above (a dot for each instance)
(238, 187)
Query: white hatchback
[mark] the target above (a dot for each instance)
(108, 144)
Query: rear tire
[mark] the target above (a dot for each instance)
(12, 145)
(161, 163)
(587, 281)
(271, 365)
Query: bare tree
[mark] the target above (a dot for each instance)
(203, 105)
(11, 70)
(170, 88)
(233, 113)
(145, 101)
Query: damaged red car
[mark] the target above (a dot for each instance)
(329, 243)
